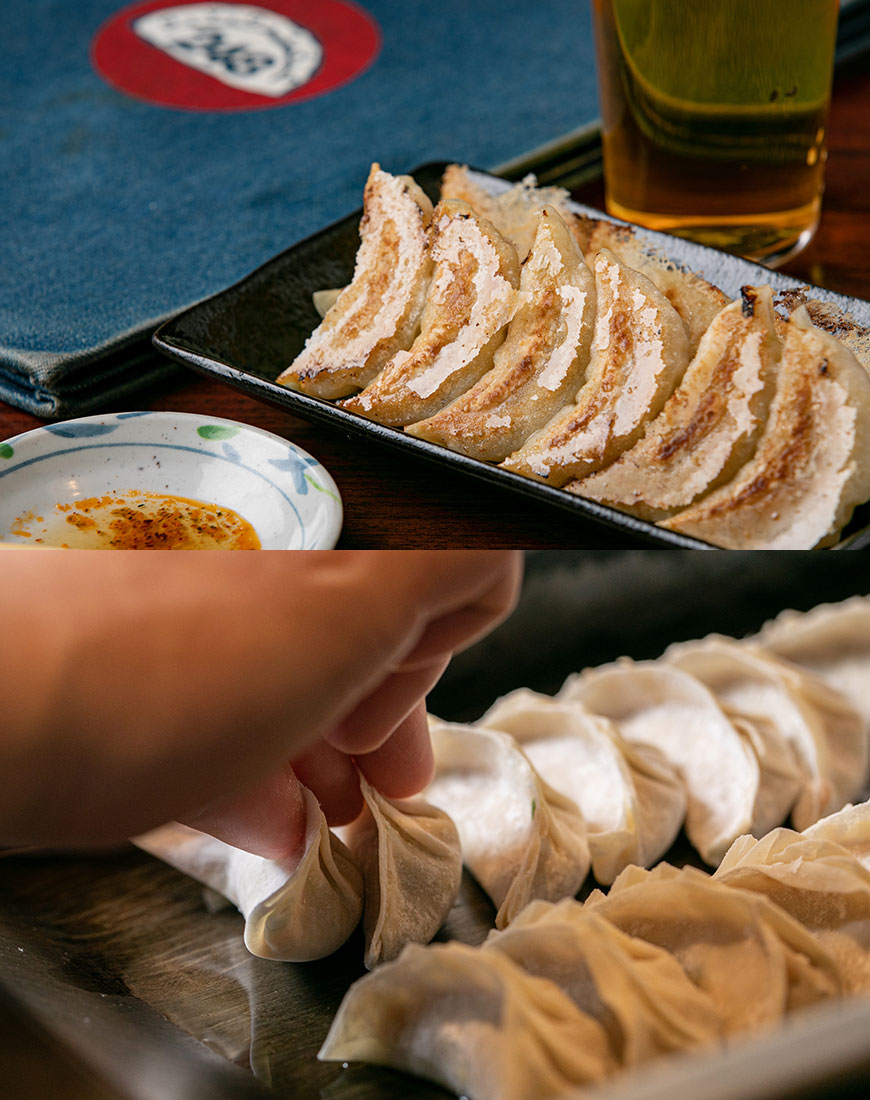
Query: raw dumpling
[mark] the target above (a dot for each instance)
(472, 296)
(409, 854)
(833, 641)
(294, 910)
(379, 312)
(826, 734)
(653, 704)
(630, 797)
(520, 838)
(472, 1021)
(817, 882)
(639, 993)
(708, 427)
(753, 960)
(812, 464)
(850, 828)
(540, 366)
(639, 353)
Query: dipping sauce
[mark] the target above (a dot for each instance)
(139, 520)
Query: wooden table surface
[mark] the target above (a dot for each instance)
(414, 503)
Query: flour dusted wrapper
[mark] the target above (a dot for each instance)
(294, 910)
(472, 1021)
(633, 802)
(520, 838)
(652, 704)
(639, 993)
(411, 862)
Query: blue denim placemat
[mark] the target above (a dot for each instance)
(118, 212)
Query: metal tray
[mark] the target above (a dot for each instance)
(247, 334)
(117, 958)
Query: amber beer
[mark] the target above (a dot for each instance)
(713, 117)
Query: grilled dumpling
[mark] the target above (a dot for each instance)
(409, 855)
(812, 464)
(696, 300)
(641, 996)
(755, 962)
(379, 312)
(294, 910)
(833, 641)
(520, 838)
(473, 1021)
(824, 732)
(652, 704)
(639, 353)
(708, 427)
(472, 296)
(631, 797)
(540, 366)
(514, 210)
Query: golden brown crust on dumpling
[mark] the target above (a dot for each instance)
(639, 353)
(812, 465)
(708, 427)
(379, 312)
(541, 364)
(471, 298)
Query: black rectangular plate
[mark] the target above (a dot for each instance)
(247, 334)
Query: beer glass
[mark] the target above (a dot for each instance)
(713, 118)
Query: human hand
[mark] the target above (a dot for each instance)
(385, 733)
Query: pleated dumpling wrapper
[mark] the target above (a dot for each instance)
(639, 353)
(754, 961)
(631, 798)
(471, 298)
(294, 910)
(410, 858)
(817, 882)
(474, 1022)
(696, 300)
(832, 640)
(513, 209)
(824, 732)
(541, 364)
(520, 838)
(812, 464)
(710, 424)
(639, 993)
(652, 704)
(378, 313)
(849, 827)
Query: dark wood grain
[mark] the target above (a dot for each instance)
(394, 504)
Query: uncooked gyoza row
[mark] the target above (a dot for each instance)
(512, 330)
(397, 866)
(670, 960)
(721, 737)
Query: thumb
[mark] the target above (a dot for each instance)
(267, 819)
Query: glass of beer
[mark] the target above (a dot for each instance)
(713, 118)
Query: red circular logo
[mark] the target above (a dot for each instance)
(234, 57)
